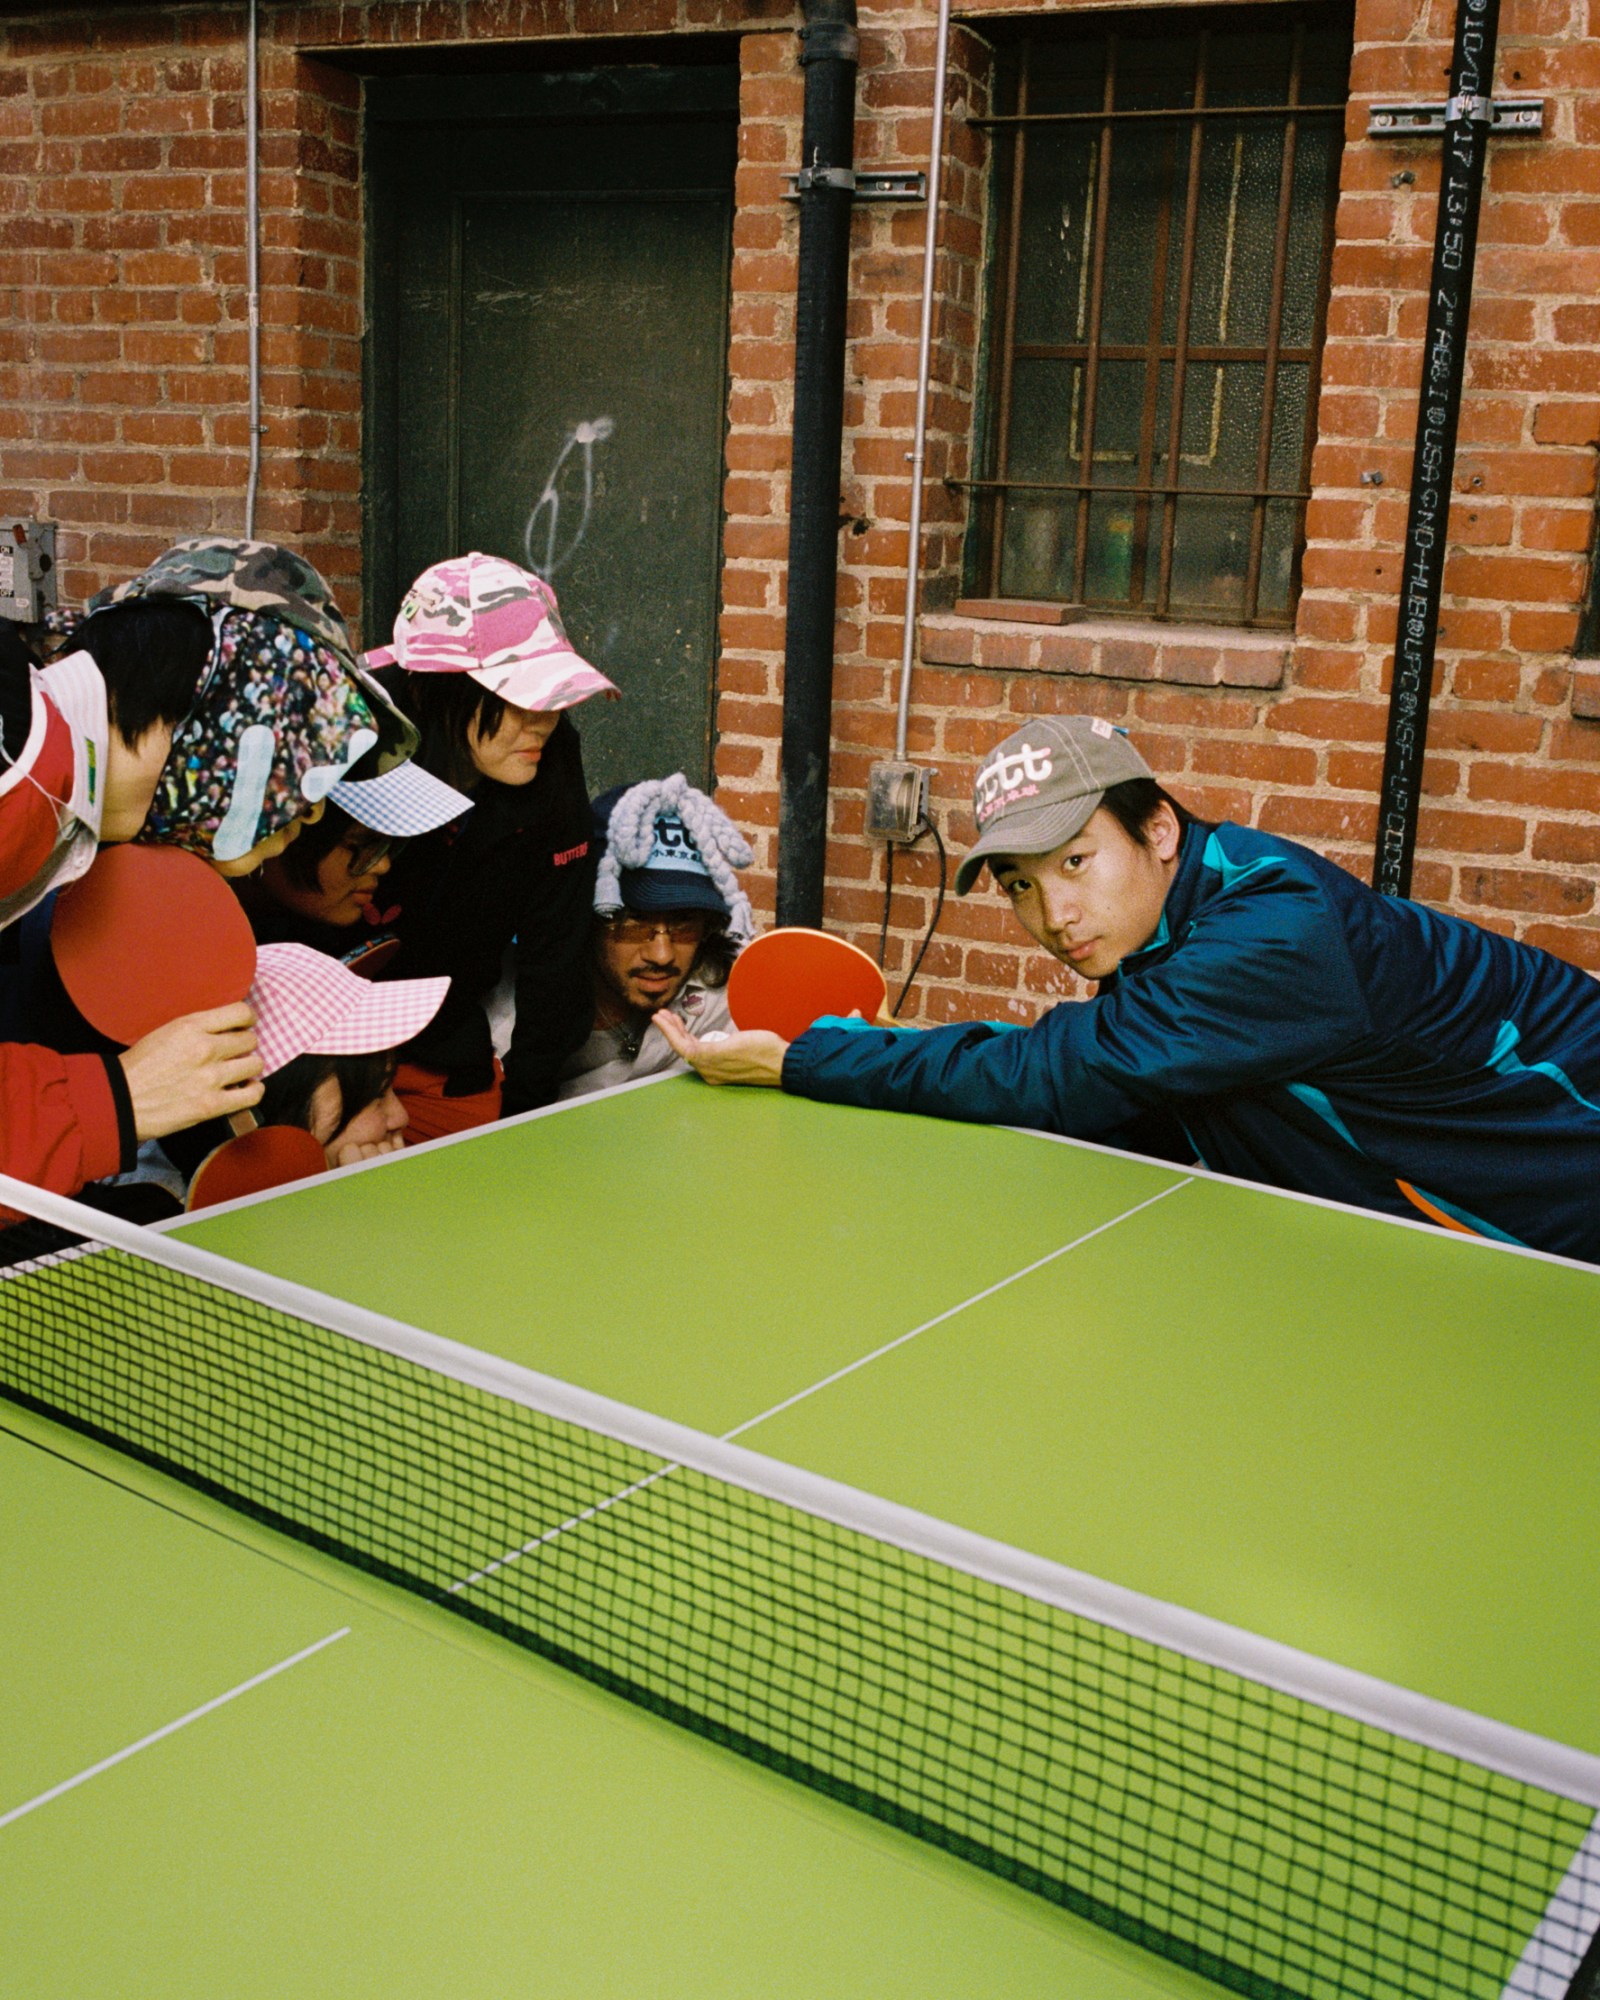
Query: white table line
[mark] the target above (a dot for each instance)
(537, 1542)
(950, 1312)
(167, 1729)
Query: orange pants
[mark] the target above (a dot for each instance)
(431, 1114)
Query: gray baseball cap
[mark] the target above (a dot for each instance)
(1042, 785)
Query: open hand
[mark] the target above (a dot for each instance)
(754, 1057)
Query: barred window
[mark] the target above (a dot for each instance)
(1165, 200)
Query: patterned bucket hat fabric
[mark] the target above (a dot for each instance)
(483, 616)
(284, 708)
(215, 572)
(306, 1003)
(275, 725)
(250, 576)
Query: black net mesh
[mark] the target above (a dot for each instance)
(1277, 1848)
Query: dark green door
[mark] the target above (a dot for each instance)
(547, 370)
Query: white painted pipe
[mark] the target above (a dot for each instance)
(924, 353)
(252, 227)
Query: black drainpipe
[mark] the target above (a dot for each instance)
(828, 53)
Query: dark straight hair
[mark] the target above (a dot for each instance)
(286, 1095)
(446, 708)
(1135, 802)
(151, 652)
(306, 853)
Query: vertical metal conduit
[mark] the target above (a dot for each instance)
(829, 50)
(252, 228)
(919, 444)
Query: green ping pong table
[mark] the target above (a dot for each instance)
(1273, 1525)
(232, 1768)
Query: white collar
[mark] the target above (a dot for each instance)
(77, 690)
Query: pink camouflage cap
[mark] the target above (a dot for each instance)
(481, 615)
(307, 1004)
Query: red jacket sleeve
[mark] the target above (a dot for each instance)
(62, 1119)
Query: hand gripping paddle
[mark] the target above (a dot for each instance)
(787, 978)
(152, 933)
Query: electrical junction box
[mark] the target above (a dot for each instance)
(27, 568)
(897, 801)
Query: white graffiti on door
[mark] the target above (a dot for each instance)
(554, 555)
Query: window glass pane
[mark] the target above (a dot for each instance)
(1289, 424)
(1221, 423)
(1210, 555)
(1250, 64)
(1155, 72)
(1119, 404)
(1067, 75)
(1037, 550)
(1278, 547)
(1240, 167)
(1141, 199)
(1057, 223)
(1045, 417)
(1232, 448)
(1316, 152)
(1110, 554)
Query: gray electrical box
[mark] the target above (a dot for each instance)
(897, 802)
(27, 568)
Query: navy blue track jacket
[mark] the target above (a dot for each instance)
(1306, 1032)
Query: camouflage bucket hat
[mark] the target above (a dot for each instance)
(218, 573)
(251, 576)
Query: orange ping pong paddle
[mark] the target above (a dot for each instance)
(787, 978)
(149, 934)
(270, 1156)
(152, 933)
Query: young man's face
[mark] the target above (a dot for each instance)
(643, 961)
(1097, 897)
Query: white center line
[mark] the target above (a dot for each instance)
(950, 1312)
(182, 1722)
(528, 1548)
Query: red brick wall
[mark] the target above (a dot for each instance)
(122, 416)
(123, 385)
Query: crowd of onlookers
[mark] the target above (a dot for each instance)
(486, 938)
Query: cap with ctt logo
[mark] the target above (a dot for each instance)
(1042, 785)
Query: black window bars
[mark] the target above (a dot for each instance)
(1165, 209)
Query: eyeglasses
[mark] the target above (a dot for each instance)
(366, 853)
(640, 930)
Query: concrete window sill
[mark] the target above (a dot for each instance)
(1112, 649)
(1586, 690)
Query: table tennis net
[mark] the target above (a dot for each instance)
(1271, 1844)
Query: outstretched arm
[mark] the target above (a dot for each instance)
(755, 1057)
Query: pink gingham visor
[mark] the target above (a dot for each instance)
(307, 1004)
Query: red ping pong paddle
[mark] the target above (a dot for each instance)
(149, 934)
(370, 959)
(787, 978)
(267, 1156)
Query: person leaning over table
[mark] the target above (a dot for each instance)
(207, 703)
(481, 659)
(1301, 1029)
(669, 920)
